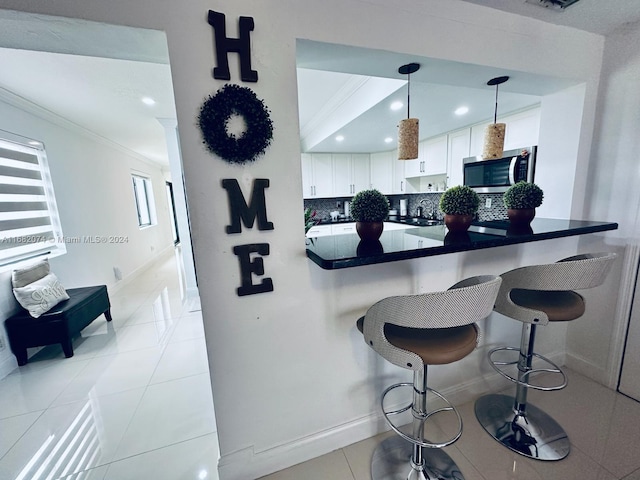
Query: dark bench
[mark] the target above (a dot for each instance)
(60, 324)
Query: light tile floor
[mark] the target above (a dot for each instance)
(603, 426)
(134, 402)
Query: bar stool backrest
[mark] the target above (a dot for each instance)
(578, 272)
(464, 303)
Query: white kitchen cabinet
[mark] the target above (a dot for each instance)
(399, 181)
(414, 242)
(459, 143)
(416, 168)
(381, 169)
(350, 173)
(432, 159)
(391, 226)
(477, 139)
(317, 175)
(435, 156)
(343, 228)
(360, 171)
(522, 129)
(319, 231)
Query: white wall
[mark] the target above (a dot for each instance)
(92, 183)
(611, 192)
(291, 377)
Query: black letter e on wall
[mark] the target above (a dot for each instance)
(249, 267)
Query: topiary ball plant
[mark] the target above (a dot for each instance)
(523, 195)
(460, 200)
(369, 206)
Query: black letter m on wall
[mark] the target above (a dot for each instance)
(239, 210)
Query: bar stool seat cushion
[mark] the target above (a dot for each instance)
(436, 346)
(558, 305)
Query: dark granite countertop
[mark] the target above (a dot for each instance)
(414, 221)
(344, 251)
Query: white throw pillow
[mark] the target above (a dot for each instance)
(24, 276)
(42, 295)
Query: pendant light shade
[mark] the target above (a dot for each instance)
(408, 129)
(494, 133)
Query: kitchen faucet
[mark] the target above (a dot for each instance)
(430, 208)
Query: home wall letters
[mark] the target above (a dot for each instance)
(213, 118)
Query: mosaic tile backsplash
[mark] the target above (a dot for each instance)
(428, 201)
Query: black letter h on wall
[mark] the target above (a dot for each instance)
(224, 45)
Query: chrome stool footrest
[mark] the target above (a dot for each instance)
(419, 420)
(555, 369)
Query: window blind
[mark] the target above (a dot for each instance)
(29, 222)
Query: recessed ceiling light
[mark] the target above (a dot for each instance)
(397, 105)
(461, 110)
(340, 138)
(388, 140)
(148, 101)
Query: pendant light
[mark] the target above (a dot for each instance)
(408, 128)
(494, 133)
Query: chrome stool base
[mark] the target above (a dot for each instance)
(535, 434)
(392, 461)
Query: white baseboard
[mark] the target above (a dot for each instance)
(249, 463)
(586, 368)
(152, 262)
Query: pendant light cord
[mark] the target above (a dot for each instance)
(495, 112)
(409, 95)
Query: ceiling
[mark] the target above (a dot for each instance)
(95, 75)
(596, 16)
(328, 74)
(92, 75)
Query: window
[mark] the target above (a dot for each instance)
(144, 200)
(29, 221)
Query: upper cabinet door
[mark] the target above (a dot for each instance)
(315, 172)
(322, 174)
(522, 129)
(435, 156)
(399, 180)
(307, 176)
(342, 185)
(415, 168)
(350, 173)
(360, 172)
(459, 143)
(382, 172)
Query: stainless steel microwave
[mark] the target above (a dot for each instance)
(496, 175)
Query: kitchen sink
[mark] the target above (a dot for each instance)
(423, 222)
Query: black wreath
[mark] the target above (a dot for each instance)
(215, 113)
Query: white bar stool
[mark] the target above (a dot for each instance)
(536, 295)
(412, 332)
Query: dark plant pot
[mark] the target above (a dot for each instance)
(517, 230)
(369, 231)
(521, 216)
(458, 223)
(457, 238)
(369, 247)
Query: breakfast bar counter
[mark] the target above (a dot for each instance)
(344, 251)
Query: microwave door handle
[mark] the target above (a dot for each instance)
(512, 171)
